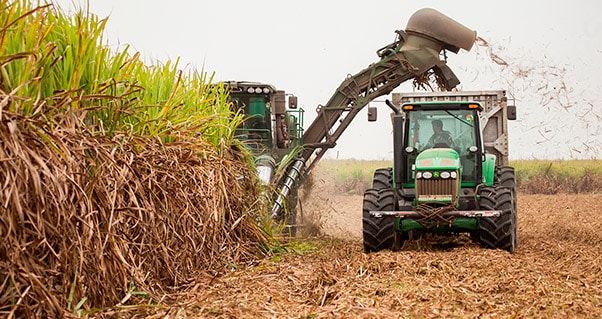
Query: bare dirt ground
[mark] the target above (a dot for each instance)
(556, 271)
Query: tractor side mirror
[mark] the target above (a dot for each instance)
(372, 114)
(511, 112)
(292, 102)
(472, 151)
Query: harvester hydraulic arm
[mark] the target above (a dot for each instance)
(416, 51)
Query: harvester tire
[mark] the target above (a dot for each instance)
(504, 176)
(379, 233)
(498, 232)
(383, 178)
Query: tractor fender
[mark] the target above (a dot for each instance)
(489, 169)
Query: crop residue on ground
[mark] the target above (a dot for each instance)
(555, 273)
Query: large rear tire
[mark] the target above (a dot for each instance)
(505, 176)
(498, 232)
(379, 233)
(383, 178)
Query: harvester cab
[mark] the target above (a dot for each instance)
(272, 126)
(449, 173)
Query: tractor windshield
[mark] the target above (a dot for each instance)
(453, 129)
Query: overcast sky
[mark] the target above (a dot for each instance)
(553, 51)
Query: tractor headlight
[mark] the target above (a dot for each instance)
(448, 174)
(436, 175)
(258, 90)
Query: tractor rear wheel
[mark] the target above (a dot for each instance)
(498, 232)
(504, 175)
(383, 178)
(379, 233)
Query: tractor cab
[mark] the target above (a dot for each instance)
(441, 136)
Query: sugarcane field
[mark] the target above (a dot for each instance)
(138, 186)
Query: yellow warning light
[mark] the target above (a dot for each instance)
(408, 107)
(473, 106)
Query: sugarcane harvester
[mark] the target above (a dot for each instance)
(272, 128)
(418, 52)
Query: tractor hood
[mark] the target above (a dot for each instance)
(439, 158)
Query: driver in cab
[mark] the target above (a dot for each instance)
(440, 138)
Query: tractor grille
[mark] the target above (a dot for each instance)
(437, 190)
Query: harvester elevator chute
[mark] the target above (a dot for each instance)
(415, 51)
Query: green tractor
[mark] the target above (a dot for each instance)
(450, 172)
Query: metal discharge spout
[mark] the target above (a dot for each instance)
(433, 24)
